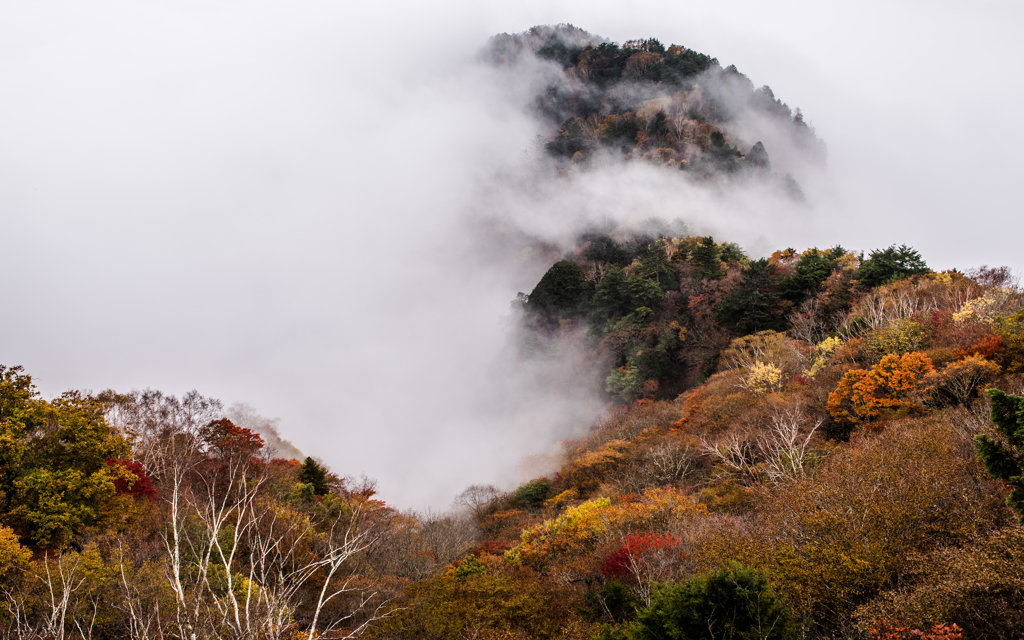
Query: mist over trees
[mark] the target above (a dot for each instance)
(812, 424)
(669, 106)
(817, 443)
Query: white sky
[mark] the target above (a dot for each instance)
(263, 200)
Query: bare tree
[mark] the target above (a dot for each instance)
(735, 454)
(670, 462)
(237, 563)
(809, 323)
(253, 563)
(655, 563)
(779, 451)
(663, 464)
(477, 497)
(141, 612)
(885, 305)
(783, 446)
(155, 422)
(995, 277)
(59, 603)
(447, 536)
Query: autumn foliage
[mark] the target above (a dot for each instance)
(820, 443)
(891, 387)
(830, 452)
(131, 479)
(621, 563)
(892, 630)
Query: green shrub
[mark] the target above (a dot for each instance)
(612, 600)
(730, 603)
(533, 493)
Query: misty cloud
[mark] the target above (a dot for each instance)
(245, 416)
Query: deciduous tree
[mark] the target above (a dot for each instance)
(892, 385)
(54, 478)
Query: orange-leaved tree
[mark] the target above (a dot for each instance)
(891, 386)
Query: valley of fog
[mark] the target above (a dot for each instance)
(324, 212)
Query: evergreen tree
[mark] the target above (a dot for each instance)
(1004, 458)
(312, 473)
(562, 290)
(810, 271)
(657, 267)
(756, 304)
(731, 252)
(889, 265)
(612, 296)
(602, 248)
(707, 259)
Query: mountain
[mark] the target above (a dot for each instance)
(671, 106)
(819, 443)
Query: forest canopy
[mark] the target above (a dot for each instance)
(667, 105)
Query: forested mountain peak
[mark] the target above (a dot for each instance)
(668, 105)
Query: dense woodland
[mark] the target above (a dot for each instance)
(816, 444)
(670, 106)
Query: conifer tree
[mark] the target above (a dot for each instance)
(889, 265)
(312, 473)
(755, 305)
(707, 259)
(1004, 458)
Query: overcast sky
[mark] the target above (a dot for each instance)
(267, 201)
